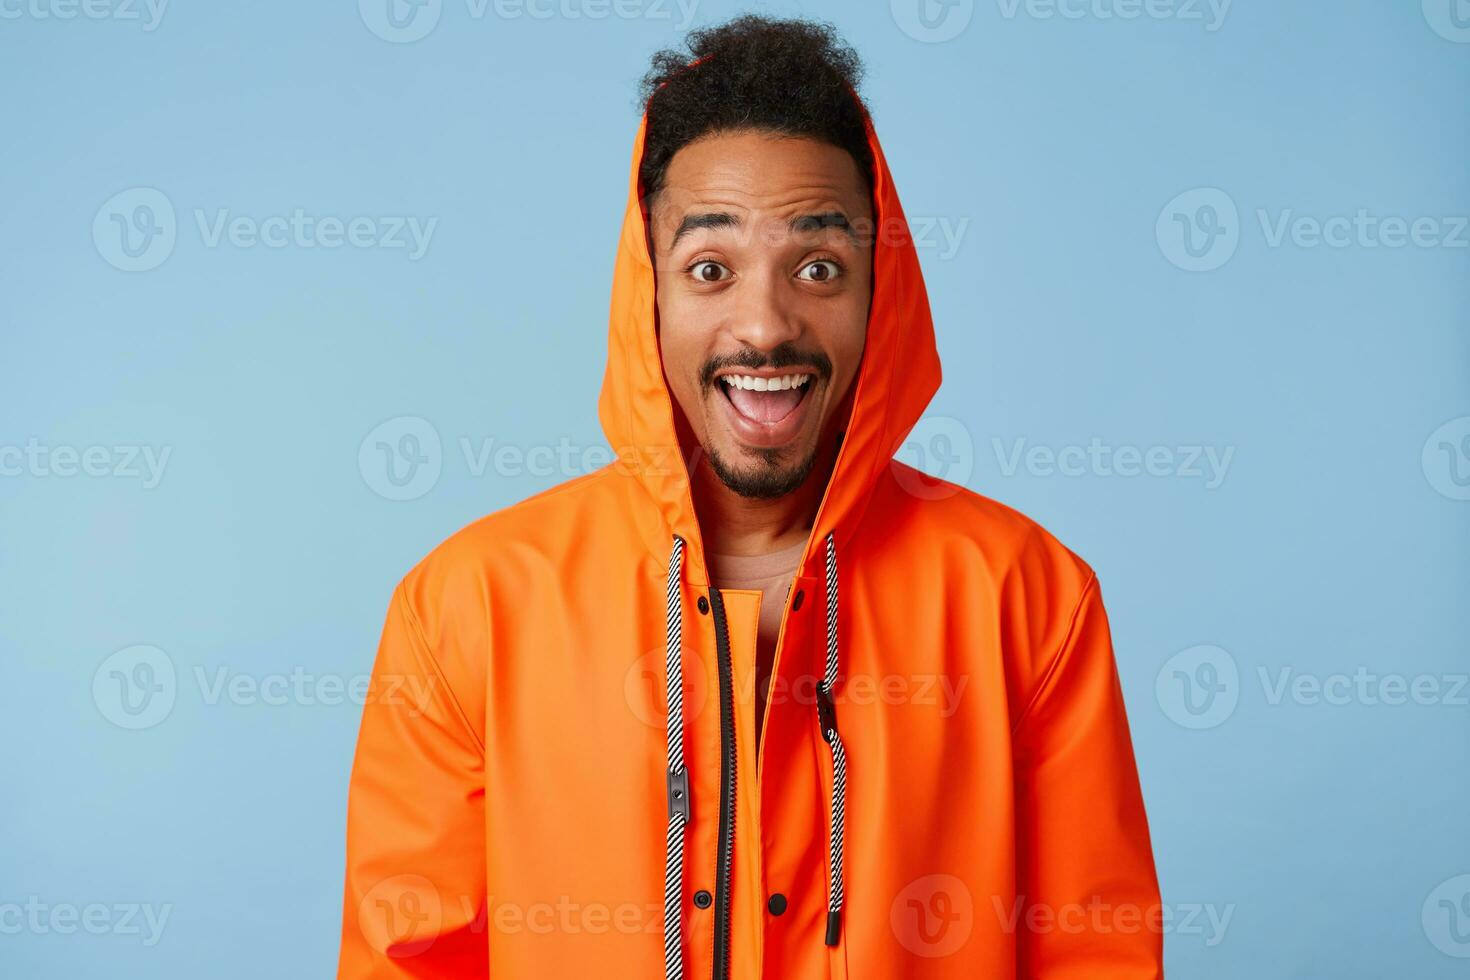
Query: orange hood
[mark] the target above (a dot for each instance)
(898, 375)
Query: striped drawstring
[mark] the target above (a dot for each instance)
(678, 775)
(827, 718)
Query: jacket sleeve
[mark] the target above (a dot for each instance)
(415, 892)
(1087, 887)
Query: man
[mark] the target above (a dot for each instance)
(756, 700)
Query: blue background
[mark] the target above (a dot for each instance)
(1336, 539)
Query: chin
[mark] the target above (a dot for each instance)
(771, 473)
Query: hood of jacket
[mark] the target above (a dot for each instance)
(897, 376)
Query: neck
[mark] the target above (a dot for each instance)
(734, 525)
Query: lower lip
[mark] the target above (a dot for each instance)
(766, 435)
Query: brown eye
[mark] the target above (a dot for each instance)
(708, 271)
(823, 270)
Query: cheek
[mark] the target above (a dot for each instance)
(683, 351)
(845, 339)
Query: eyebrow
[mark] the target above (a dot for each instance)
(802, 222)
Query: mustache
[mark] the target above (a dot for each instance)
(784, 356)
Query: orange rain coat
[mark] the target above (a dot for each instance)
(512, 809)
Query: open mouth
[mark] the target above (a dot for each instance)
(765, 408)
(765, 399)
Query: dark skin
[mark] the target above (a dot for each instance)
(762, 249)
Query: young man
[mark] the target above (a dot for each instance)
(757, 700)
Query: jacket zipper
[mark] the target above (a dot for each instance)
(727, 789)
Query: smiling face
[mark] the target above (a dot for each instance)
(763, 257)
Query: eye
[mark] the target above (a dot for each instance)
(708, 270)
(822, 270)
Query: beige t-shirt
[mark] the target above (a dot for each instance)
(772, 575)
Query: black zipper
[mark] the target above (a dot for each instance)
(727, 789)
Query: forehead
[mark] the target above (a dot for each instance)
(762, 172)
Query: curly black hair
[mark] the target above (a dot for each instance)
(790, 77)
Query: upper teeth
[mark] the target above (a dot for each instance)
(753, 383)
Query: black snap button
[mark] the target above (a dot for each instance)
(702, 899)
(703, 605)
(796, 603)
(777, 904)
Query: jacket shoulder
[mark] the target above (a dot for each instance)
(1029, 585)
(516, 534)
(1007, 541)
(451, 594)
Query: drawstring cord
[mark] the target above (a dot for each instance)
(678, 774)
(827, 718)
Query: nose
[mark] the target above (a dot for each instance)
(765, 316)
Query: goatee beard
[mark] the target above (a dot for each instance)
(768, 481)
